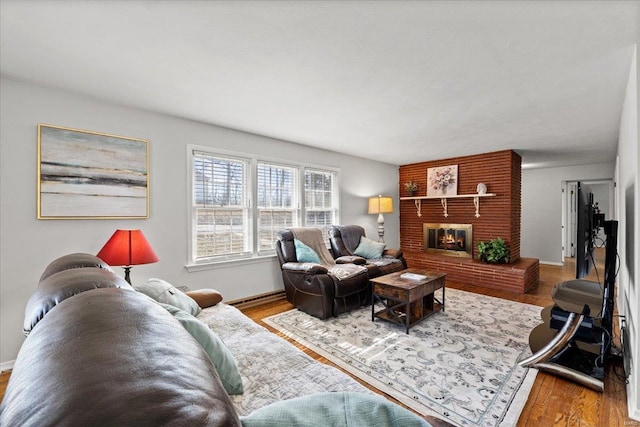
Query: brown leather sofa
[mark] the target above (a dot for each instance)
(344, 240)
(320, 290)
(98, 353)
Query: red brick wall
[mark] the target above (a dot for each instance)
(499, 215)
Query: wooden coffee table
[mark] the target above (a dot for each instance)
(407, 301)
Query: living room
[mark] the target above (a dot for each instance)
(28, 244)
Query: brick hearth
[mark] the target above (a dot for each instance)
(499, 217)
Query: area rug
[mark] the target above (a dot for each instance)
(459, 365)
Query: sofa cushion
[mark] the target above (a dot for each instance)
(369, 249)
(164, 292)
(304, 253)
(77, 260)
(341, 409)
(219, 354)
(59, 286)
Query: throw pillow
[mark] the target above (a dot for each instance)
(165, 292)
(218, 352)
(205, 297)
(337, 409)
(304, 253)
(369, 249)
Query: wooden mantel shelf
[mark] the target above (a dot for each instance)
(443, 200)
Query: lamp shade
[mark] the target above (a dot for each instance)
(380, 204)
(127, 247)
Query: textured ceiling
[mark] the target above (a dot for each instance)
(396, 81)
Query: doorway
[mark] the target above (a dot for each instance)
(603, 197)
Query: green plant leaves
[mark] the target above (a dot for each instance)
(495, 251)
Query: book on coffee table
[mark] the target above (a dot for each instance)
(413, 276)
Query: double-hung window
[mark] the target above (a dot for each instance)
(278, 201)
(239, 202)
(221, 218)
(321, 199)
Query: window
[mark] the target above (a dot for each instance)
(277, 202)
(226, 223)
(321, 206)
(221, 216)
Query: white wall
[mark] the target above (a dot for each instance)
(27, 245)
(541, 230)
(628, 199)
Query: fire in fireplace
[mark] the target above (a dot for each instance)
(448, 239)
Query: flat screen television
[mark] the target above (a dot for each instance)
(585, 230)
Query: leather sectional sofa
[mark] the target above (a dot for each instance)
(100, 353)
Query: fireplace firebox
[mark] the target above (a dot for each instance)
(448, 239)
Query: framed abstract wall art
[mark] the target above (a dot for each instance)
(91, 175)
(442, 181)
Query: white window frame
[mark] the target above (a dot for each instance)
(255, 255)
(295, 208)
(245, 208)
(335, 199)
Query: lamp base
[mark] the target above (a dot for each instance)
(380, 228)
(127, 277)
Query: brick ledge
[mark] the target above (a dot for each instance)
(517, 277)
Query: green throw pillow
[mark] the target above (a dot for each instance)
(369, 249)
(218, 352)
(304, 253)
(165, 292)
(339, 409)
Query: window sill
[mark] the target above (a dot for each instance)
(191, 268)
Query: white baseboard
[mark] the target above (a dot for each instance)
(559, 264)
(7, 366)
(634, 410)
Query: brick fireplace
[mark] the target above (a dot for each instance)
(499, 217)
(448, 239)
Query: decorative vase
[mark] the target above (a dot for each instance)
(482, 188)
(411, 193)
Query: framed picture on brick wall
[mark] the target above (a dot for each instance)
(442, 181)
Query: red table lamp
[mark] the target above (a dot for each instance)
(127, 248)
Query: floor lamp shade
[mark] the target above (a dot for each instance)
(127, 248)
(380, 205)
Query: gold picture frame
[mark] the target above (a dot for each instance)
(91, 175)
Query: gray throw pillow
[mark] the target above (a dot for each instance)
(369, 249)
(166, 293)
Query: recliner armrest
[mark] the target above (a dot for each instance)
(351, 259)
(305, 267)
(395, 253)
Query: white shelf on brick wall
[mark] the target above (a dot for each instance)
(443, 201)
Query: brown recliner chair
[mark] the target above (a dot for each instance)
(322, 289)
(345, 239)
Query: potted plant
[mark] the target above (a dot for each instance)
(496, 251)
(411, 187)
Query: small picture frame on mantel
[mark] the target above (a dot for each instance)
(91, 175)
(442, 181)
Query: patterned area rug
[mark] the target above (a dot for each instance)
(459, 365)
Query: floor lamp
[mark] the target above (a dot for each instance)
(380, 205)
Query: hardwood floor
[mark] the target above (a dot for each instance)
(553, 401)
